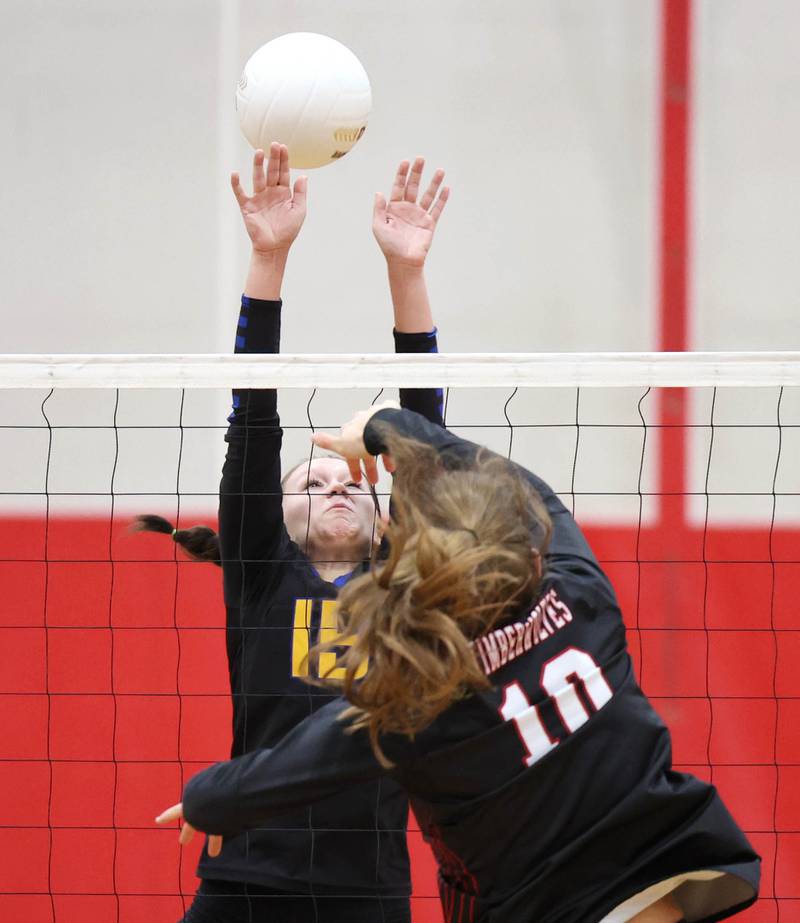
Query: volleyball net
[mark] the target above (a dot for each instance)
(682, 469)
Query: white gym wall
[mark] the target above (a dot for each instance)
(120, 234)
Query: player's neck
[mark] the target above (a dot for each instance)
(330, 570)
(335, 559)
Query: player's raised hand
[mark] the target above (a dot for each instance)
(274, 213)
(187, 830)
(350, 444)
(403, 226)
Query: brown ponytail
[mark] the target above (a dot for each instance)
(200, 542)
(460, 558)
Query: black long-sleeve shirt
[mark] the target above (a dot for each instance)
(276, 603)
(550, 797)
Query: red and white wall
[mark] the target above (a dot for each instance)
(624, 178)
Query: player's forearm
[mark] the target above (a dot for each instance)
(265, 274)
(427, 401)
(250, 509)
(315, 760)
(412, 309)
(458, 451)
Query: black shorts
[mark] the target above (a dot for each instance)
(236, 902)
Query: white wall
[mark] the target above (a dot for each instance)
(744, 272)
(542, 113)
(746, 151)
(120, 234)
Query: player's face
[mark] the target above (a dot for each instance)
(327, 512)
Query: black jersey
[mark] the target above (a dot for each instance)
(548, 798)
(276, 606)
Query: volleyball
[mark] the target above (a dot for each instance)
(306, 91)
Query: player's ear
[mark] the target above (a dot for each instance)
(536, 560)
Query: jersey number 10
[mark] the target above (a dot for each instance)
(577, 688)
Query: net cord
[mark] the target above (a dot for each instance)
(474, 370)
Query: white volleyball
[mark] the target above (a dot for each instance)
(306, 91)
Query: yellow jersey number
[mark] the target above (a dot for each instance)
(328, 631)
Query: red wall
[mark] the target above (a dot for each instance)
(83, 772)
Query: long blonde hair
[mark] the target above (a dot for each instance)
(462, 545)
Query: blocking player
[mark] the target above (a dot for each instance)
(286, 549)
(501, 696)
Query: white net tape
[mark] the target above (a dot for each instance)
(473, 370)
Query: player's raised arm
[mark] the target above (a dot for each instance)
(273, 216)
(251, 517)
(404, 227)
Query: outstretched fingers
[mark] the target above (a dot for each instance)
(259, 181)
(171, 814)
(406, 186)
(274, 164)
(333, 443)
(430, 193)
(187, 830)
(439, 204)
(238, 191)
(283, 170)
(370, 468)
(267, 171)
(327, 441)
(414, 177)
(300, 192)
(399, 185)
(214, 840)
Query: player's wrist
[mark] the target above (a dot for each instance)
(265, 274)
(405, 269)
(270, 257)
